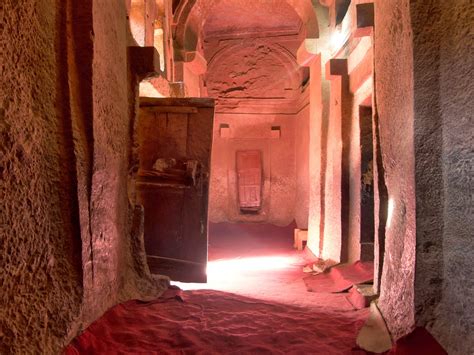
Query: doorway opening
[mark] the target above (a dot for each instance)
(367, 204)
(173, 143)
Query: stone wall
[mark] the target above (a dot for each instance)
(253, 132)
(66, 222)
(394, 108)
(330, 247)
(443, 141)
(302, 153)
(319, 93)
(41, 274)
(424, 97)
(258, 87)
(108, 204)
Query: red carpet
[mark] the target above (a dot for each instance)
(340, 278)
(213, 322)
(254, 307)
(420, 341)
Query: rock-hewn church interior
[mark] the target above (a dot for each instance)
(236, 177)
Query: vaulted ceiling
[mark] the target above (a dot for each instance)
(250, 47)
(237, 17)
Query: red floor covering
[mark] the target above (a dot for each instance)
(255, 302)
(214, 322)
(341, 278)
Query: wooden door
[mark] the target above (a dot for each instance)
(249, 174)
(175, 138)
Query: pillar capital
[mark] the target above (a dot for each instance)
(336, 67)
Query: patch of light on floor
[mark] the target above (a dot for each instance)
(227, 274)
(231, 266)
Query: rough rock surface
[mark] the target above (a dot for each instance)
(444, 107)
(394, 106)
(433, 108)
(253, 70)
(65, 153)
(40, 273)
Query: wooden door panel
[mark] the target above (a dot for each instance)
(175, 139)
(249, 174)
(163, 216)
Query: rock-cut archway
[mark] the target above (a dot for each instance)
(191, 15)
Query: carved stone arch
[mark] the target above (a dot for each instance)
(304, 9)
(188, 22)
(277, 52)
(288, 58)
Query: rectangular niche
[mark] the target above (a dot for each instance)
(249, 180)
(276, 132)
(224, 130)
